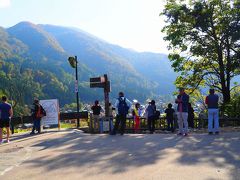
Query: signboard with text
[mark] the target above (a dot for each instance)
(51, 106)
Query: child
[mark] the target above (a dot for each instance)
(170, 117)
(136, 115)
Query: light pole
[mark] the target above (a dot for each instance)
(73, 62)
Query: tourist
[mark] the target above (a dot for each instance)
(6, 112)
(37, 113)
(96, 108)
(151, 112)
(122, 107)
(136, 116)
(213, 113)
(190, 116)
(182, 112)
(170, 117)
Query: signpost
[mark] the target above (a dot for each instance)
(74, 63)
(102, 82)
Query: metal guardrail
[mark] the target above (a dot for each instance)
(199, 123)
(160, 124)
(15, 121)
(63, 116)
(74, 115)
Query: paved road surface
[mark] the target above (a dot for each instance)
(75, 155)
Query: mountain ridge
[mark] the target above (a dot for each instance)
(45, 48)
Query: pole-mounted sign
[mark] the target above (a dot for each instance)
(74, 64)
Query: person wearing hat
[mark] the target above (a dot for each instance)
(182, 111)
(213, 113)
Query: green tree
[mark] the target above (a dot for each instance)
(204, 38)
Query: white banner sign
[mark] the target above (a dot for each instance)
(51, 106)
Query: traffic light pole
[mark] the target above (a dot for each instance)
(77, 95)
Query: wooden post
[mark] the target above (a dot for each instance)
(59, 122)
(106, 95)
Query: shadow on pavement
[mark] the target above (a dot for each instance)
(115, 154)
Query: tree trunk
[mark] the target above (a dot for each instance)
(223, 81)
(226, 96)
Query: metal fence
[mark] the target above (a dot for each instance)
(160, 124)
(199, 123)
(64, 117)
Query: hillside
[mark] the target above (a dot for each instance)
(151, 67)
(39, 55)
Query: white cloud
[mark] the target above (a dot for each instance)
(5, 3)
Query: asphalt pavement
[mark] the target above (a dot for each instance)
(76, 155)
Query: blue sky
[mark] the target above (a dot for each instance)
(132, 24)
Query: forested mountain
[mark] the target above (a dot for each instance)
(153, 67)
(33, 62)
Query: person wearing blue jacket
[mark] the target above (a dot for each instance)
(182, 111)
(213, 112)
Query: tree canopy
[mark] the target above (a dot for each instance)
(204, 40)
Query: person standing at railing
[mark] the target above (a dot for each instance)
(182, 111)
(190, 116)
(213, 112)
(122, 107)
(170, 117)
(136, 115)
(6, 113)
(151, 112)
(97, 109)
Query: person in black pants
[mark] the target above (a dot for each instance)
(122, 106)
(151, 112)
(190, 116)
(170, 117)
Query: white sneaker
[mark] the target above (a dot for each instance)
(8, 141)
(2, 141)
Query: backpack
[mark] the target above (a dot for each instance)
(41, 112)
(122, 107)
